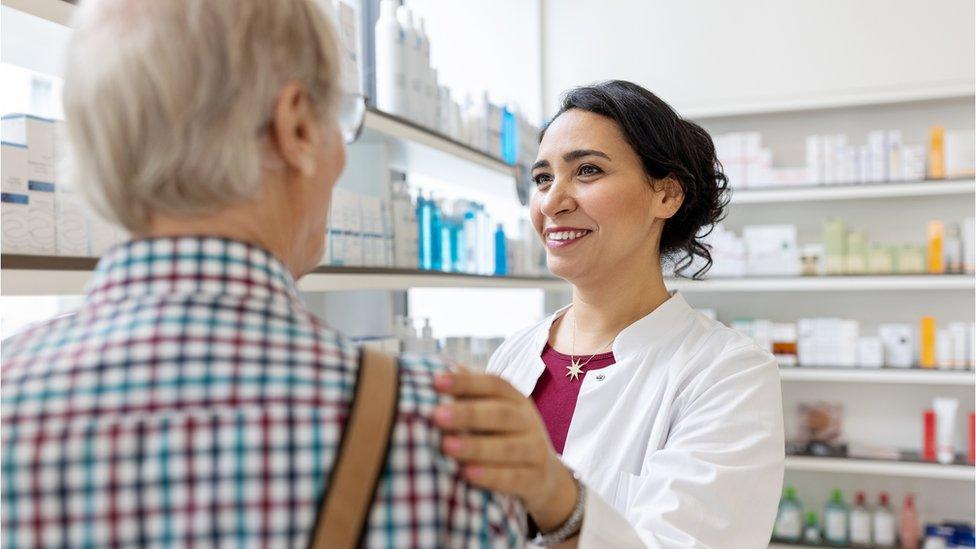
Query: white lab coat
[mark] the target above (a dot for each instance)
(681, 443)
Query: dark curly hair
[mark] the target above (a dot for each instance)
(667, 145)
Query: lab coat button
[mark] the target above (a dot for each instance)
(600, 377)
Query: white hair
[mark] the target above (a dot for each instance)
(167, 101)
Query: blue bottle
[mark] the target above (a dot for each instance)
(509, 136)
(423, 233)
(447, 237)
(436, 250)
(501, 252)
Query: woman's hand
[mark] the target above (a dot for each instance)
(502, 444)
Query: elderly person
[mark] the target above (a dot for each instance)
(192, 399)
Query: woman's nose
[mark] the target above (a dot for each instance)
(558, 199)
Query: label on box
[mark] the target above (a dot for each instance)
(14, 225)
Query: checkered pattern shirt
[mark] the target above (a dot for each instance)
(193, 401)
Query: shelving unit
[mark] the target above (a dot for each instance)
(44, 275)
(884, 375)
(863, 283)
(881, 468)
(907, 189)
(56, 11)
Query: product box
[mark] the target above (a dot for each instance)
(814, 156)
(71, 222)
(878, 156)
(14, 199)
(893, 148)
(40, 217)
(771, 250)
(960, 153)
(38, 134)
(870, 352)
(913, 162)
(899, 344)
(349, 44)
(835, 246)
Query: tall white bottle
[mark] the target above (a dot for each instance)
(412, 55)
(427, 80)
(391, 80)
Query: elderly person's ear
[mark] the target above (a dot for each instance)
(295, 131)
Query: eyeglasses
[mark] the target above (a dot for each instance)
(352, 114)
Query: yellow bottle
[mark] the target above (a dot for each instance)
(927, 343)
(936, 236)
(937, 153)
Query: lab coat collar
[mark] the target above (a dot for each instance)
(638, 339)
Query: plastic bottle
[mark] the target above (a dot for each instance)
(391, 80)
(789, 518)
(909, 524)
(471, 238)
(424, 232)
(860, 522)
(811, 532)
(411, 48)
(426, 76)
(501, 252)
(436, 249)
(509, 135)
(428, 342)
(836, 520)
(884, 524)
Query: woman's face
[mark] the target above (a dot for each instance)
(594, 207)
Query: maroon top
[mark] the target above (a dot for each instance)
(555, 394)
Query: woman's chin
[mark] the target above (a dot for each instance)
(566, 270)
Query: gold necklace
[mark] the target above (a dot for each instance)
(575, 368)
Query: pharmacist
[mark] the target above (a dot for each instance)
(626, 419)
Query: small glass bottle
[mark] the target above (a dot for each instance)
(909, 524)
(789, 518)
(836, 520)
(811, 532)
(860, 522)
(884, 524)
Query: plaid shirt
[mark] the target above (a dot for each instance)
(193, 401)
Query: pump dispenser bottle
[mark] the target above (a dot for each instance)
(391, 83)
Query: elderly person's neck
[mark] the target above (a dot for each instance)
(271, 221)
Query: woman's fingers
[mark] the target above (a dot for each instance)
(498, 450)
(517, 481)
(483, 415)
(471, 384)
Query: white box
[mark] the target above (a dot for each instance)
(899, 344)
(960, 153)
(870, 352)
(71, 223)
(913, 162)
(893, 147)
(40, 217)
(815, 167)
(877, 145)
(14, 199)
(771, 250)
(38, 135)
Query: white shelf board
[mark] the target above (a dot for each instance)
(938, 91)
(73, 282)
(883, 375)
(328, 282)
(56, 11)
(775, 545)
(825, 283)
(853, 192)
(881, 468)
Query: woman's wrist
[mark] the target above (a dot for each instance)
(554, 506)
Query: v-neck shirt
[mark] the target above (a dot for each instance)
(555, 393)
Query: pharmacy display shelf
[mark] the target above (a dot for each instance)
(825, 283)
(823, 193)
(399, 128)
(877, 467)
(912, 376)
(781, 545)
(56, 11)
(46, 275)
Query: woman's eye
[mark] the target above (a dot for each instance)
(589, 169)
(542, 179)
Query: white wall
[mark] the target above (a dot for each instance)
(716, 55)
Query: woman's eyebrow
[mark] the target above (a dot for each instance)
(540, 164)
(580, 153)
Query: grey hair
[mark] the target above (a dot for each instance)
(167, 102)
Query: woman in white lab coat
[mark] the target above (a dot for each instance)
(626, 419)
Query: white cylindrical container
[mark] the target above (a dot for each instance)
(431, 98)
(426, 77)
(945, 425)
(411, 48)
(391, 80)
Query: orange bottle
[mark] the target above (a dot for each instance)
(936, 237)
(937, 153)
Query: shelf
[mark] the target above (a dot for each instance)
(881, 468)
(853, 192)
(825, 283)
(853, 99)
(55, 11)
(884, 375)
(46, 275)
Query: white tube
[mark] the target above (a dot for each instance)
(945, 424)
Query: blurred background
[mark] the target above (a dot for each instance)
(846, 129)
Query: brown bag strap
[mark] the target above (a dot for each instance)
(362, 453)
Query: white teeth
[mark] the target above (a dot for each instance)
(566, 235)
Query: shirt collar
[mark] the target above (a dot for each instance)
(190, 264)
(643, 336)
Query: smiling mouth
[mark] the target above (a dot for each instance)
(565, 238)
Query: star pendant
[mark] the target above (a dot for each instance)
(574, 370)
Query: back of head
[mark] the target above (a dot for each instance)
(668, 146)
(165, 101)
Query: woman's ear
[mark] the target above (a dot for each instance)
(668, 197)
